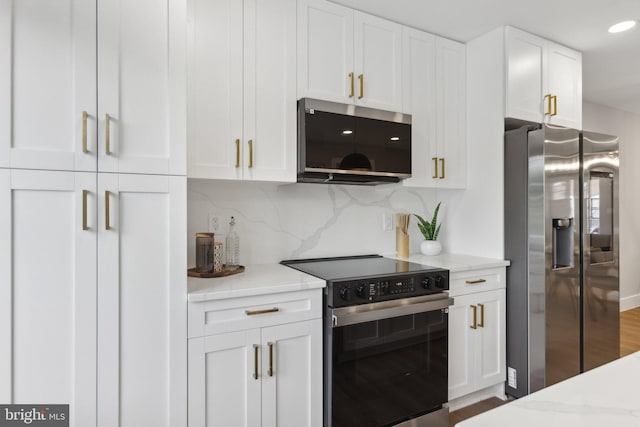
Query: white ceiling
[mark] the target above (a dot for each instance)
(611, 62)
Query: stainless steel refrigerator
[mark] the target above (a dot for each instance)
(561, 236)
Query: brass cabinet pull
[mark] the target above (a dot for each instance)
(85, 193)
(361, 78)
(270, 344)
(107, 225)
(548, 98)
(435, 166)
(84, 132)
(481, 324)
(268, 310)
(352, 85)
(255, 361)
(442, 168)
(251, 153)
(473, 282)
(107, 142)
(237, 153)
(555, 105)
(475, 320)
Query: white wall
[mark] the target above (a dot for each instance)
(598, 118)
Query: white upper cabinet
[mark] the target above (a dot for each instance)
(435, 96)
(348, 56)
(543, 80)
(47, 83)
(242, 90)
(52, 104)
(142, 86)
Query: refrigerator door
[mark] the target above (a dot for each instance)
(601, 337)
(561, 254)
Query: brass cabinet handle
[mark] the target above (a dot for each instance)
(548, 98)
(84, 132)
(435, 166)
(107, 225)
(270, 344)
(473, 282)
(254, 312)
(361, 78)
(442, 168)
(107, 142)
(255, 361)
(237, 153)
(352, 85)
(481, 324)
(555, 105)
(85, 193)
(251, 153)
(475, 320)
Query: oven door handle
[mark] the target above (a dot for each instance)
(383, 310)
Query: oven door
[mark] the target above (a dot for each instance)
(387, 361)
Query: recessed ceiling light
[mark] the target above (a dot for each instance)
(622, 26)
(347, 132)
(395, 138)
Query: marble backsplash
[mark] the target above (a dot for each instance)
(287, 221)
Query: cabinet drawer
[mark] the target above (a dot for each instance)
(235, 314)
(468, 282)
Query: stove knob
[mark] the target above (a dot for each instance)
(345, 293)
(426, 282)
(360, 291)
(441, 281)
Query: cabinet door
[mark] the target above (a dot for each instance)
(492, 332)
(47, 81)
(142, 361)
(270, 139)
(524, 75)
(215, 89)
(292, 375)
(564, 80)
(462, 347)
(325, 51)
(419, 98)
(141, 86)
(451, 114)
(224, 381)
(48, 290)
(378, 62)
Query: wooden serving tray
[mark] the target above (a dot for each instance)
(193, 273)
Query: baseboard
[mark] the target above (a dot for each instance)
(627, 303)
(475, 397)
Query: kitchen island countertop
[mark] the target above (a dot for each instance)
(604, 396)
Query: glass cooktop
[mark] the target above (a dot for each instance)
(356, 267)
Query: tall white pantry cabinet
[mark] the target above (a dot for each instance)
(93, 209)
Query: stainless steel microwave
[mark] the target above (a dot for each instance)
(349, 144)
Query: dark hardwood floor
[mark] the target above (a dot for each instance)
(629, 343)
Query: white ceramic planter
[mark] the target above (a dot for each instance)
(430, 247)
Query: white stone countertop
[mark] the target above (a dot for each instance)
(605, 396)
(455, 263)
(257, 279)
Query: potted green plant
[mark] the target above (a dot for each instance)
(430, 231)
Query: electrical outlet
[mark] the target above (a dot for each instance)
(387, 222)
(512, 378)
(213, 223)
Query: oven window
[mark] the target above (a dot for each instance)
(389, 370)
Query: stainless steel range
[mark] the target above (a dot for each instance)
(385, 341)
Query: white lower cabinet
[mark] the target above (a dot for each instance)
(262, 376)
(477, 347)
(92, 311)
